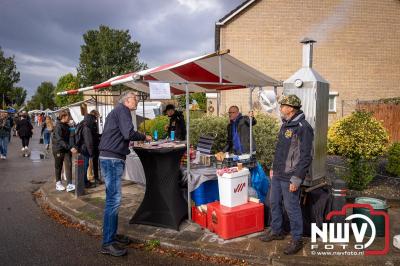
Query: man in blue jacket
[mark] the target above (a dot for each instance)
(114, 146)
(293, 157)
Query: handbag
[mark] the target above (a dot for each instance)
(41, 140)
(89, 173)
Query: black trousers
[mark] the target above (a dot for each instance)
(63, 159)
(96, 166)
(25, 141)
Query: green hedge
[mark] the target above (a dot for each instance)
(393, 165)
(265, 134)
(158, 124)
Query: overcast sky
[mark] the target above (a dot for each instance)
(45, 35)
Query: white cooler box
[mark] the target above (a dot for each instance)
(233, 188)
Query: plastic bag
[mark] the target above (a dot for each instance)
(260, 182)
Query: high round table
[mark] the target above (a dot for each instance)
(163, 204)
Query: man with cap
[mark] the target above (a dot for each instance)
(293, 157)
(176, 123)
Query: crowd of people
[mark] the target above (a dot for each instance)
(61, 134)
(20, 125)
(292, 157)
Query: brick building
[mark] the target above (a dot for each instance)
(357, 49)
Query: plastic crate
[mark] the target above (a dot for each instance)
(237, 221)
(207, 192)
(199, 217)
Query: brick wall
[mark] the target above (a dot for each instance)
(357, 49)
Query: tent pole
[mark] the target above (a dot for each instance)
(251, 119)
(218, 102)
(144, 117)
(188, 150)
(220, 68)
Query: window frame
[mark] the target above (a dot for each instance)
(334, 95)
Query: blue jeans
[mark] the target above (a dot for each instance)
(112, 170)
(46, 136)
(291, 201)
(3, 145)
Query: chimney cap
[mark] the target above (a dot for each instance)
(307, 40)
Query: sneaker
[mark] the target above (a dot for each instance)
(23, 148)
(293, 247)
(113, 250)
(4, 157)
(1, 157)
(271, 236)
(70, 187)
(59, 186)
(26, 148)
(123, 240)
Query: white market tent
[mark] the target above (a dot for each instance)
(75, 110)
(213, 72)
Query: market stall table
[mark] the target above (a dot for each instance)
(163, 204)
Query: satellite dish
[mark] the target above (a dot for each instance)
(268, 101)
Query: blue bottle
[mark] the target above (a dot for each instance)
(172, 136)
(155, 135)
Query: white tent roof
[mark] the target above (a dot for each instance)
(208, 73)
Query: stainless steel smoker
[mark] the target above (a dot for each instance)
(313, 90)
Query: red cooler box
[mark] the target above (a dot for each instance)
(237, 221)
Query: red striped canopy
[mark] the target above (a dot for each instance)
(208, 73)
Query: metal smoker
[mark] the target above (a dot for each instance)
(313, 90)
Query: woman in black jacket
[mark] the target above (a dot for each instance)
(62, 148)
(89, 147)
(24, 131)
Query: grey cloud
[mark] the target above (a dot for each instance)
(50, 31)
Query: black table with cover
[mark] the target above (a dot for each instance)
(163, 204)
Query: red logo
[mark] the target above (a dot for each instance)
(239, 188)
(373, 212)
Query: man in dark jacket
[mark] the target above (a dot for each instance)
(238, 140)
(90, 145)
(176, 122)
(114, 146)
(293, 157)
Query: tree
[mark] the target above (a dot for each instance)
(17, 96)
(44, 97)
(8, 76)
(107, 52)
(67, 82)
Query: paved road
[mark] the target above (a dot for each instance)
(29, 237)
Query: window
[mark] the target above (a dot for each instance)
(332, 102)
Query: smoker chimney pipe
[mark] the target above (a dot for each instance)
(307, 52)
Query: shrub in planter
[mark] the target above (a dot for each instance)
(393, 165)
(360, 138)
(265, 134)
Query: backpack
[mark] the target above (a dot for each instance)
(79, 135)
